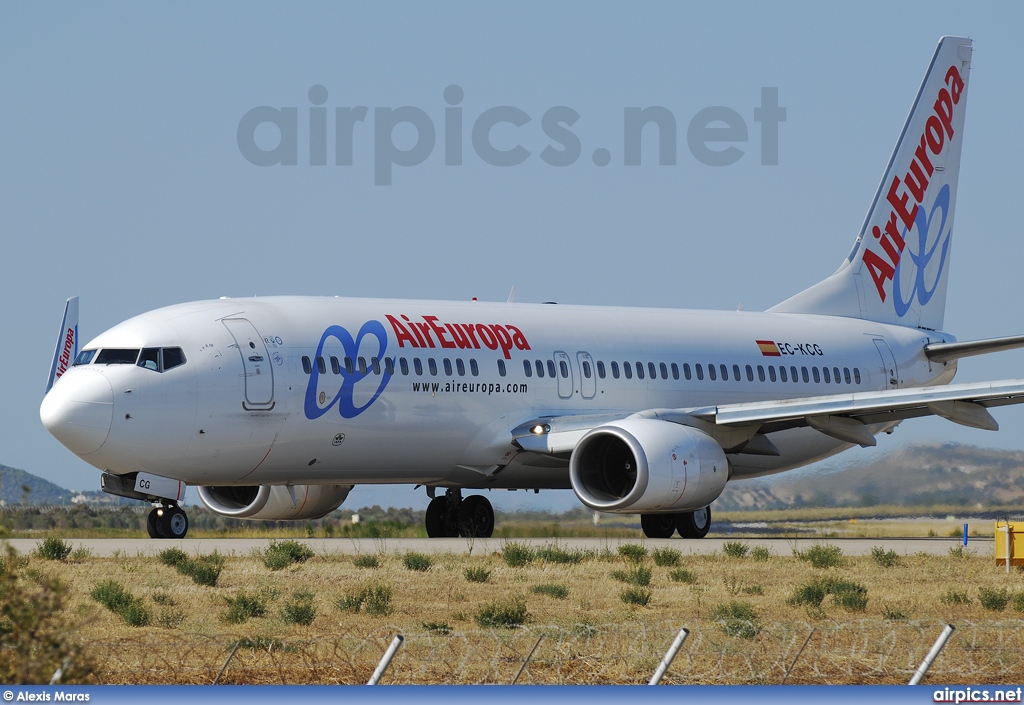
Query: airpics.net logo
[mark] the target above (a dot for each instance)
(408, 136)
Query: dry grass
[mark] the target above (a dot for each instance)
(591, 636)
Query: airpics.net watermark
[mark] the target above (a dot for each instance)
(269, 136)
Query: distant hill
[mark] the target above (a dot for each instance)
(14, 482)
(915, 476)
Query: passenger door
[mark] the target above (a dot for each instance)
(256, 367)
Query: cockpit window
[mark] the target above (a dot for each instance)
(85, 357)
(150, 358)
(117, 356)
(173, 357)
(161, 359)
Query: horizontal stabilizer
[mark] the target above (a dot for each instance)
(946, 352)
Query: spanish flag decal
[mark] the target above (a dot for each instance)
(768, 348)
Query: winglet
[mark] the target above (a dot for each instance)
(67, 343)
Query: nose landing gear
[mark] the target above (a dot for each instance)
(167, 522)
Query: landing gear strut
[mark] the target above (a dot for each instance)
(167, 522)
(690, 525)
(451, 516)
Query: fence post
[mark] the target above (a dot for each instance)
(527, 659)
(386, 660)
(936, 648)
(669, 656)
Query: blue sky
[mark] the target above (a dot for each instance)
(122, 180)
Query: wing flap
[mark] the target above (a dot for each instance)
(873, 407)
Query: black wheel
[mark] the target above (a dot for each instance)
(174, 524)
(694, 525)
(476, 517)
(658, 526)
(153, 525)
(436, 519)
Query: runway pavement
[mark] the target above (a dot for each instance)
(477, 547)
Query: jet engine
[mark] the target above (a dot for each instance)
(274, 502)
(647, 465)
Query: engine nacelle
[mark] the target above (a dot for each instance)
(275, 502)
(647, 465)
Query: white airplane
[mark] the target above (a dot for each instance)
(276, 407)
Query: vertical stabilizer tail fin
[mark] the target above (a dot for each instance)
(899, 267)
(67, 343)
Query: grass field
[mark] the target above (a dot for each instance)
(600, 617)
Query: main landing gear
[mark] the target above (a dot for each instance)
(690, 525)
(451, 516)
(167, 522)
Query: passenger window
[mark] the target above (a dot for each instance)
(700, 372)
(782, 373)
(814, 373)
(856, 375)
(652, 370)
(736, 373)
(335, 365)
(350, 366)
(432, 366)
(627, 370)
(664, 370)
(686, 370)
(475, 369)
(712, 373)
(321, 365)
(846, 375)
(675, 371)
(725, 372)
(551, 368)
(447, 367)
(307, 366)
(600, 369)
(540, 368)
(417, 366)
(803, 373)
(639, 370)
(150, 359)
(615, 369)
(563, 368)
(527, 368)
(760, 372)
(362, 365)
(750, 373)
(501, 367)
(794, 375)
(825, 374)
(389, 365)
(586, 369)
(771, 372)
(460, 367)
(375, 365)
(835, 375)
(403, 365)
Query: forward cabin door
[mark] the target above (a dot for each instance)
(256, 367)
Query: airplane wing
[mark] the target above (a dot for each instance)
(742, 427)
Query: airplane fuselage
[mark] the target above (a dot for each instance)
(331, 390)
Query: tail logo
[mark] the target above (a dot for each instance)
(906, 198)
(922, 258)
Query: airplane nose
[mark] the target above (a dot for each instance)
(78, 411)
